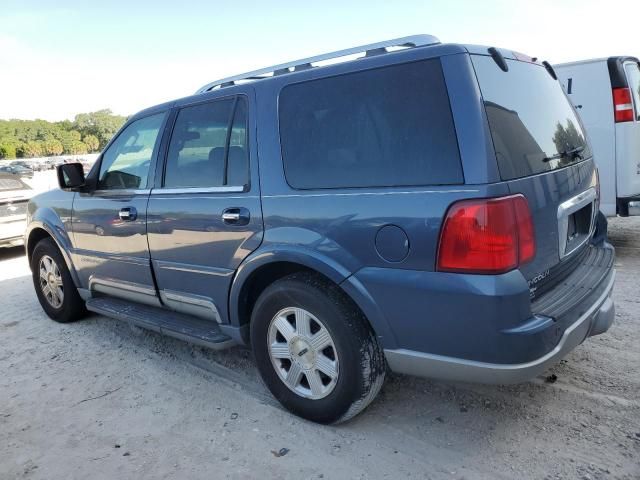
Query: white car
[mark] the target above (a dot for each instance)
(14, 196)
(606, 94)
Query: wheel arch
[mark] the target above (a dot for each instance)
(40, 229)
(263, 268)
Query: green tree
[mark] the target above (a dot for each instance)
(29, 149)
(52, 147)
(7, 150)
(92, 142)
(78, 148)
(27, 138)
(103, 124)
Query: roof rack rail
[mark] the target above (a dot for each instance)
(307, 63)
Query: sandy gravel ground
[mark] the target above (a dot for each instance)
(102, 400)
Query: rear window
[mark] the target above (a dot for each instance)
(633, 77)
(533, 126)
(390, 126)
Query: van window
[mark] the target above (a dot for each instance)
(534, 128)
(203, 152)
(390, 126)
(633, 77)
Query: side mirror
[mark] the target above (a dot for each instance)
(70, 176)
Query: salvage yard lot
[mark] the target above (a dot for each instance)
(101, 399)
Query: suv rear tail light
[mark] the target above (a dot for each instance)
(622, 105)
(486, 236)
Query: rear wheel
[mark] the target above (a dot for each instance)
(315, 350)
(54, 286)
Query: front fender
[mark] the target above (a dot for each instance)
(55, 221)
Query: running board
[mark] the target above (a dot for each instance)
(184, 327)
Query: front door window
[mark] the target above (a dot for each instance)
(125, 164)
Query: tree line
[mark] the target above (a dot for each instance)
(87, 133)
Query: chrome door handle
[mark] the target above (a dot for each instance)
(230, 217)
(128, 214)
(237, 216)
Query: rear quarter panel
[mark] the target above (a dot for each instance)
(340, 226)
(343, 223)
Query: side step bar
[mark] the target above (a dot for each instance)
(184, 327)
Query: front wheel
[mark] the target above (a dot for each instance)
(54, 286)
(315, 350)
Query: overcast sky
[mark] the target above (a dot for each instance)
(60, 57)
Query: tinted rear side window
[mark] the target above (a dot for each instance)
(208, 146)
(533, 126)
(390, 126)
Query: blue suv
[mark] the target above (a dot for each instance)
(424, 207)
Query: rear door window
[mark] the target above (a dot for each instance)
(533, 125)
(633, 77)
(390, 126)
(208, 146)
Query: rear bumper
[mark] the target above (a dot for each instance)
(595, 320)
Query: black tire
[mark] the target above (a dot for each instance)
(72, 306)
(362, 365)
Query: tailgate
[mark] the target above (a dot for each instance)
(542, 153)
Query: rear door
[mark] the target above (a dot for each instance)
(628, 138)
(204, 215)
(542, 153)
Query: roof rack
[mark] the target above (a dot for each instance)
(307, 63)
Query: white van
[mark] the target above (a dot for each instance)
(606, 94)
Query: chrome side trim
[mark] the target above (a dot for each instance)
(193, 190)
(131, 291)
(124, 191)
(357, 194)
(457, 369)
(567, 208)
(197, 305)
(186, 267)
(143, 261)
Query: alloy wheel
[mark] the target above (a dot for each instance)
(303, 353)
(51, 281)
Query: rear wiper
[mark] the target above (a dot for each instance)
(571, 153)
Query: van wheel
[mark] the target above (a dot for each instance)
(314, 349)
(56, 292)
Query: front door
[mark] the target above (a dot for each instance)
(205, 216)
(109, 227)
